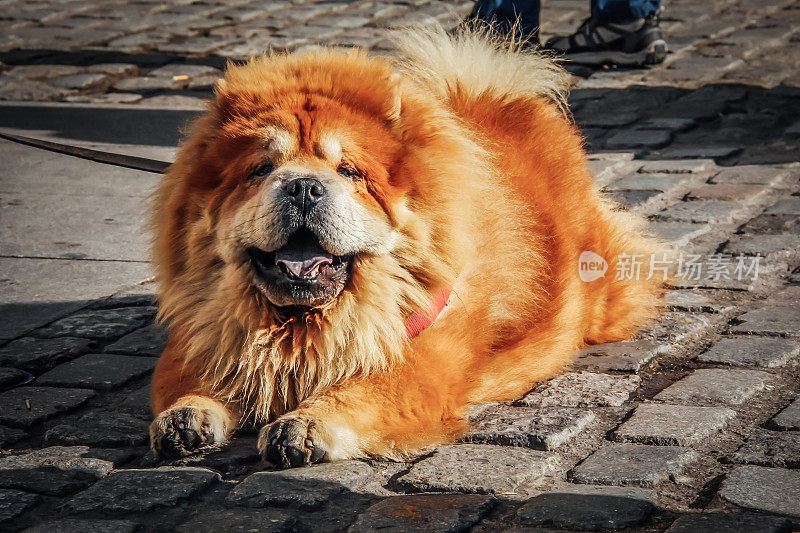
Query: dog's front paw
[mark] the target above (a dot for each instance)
(291, 441)
(181, 431)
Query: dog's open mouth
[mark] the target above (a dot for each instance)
(301, 271)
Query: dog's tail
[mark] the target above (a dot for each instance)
(473, 62)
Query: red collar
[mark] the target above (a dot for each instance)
(418, 321)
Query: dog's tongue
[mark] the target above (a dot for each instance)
(303, 255)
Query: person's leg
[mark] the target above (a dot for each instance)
(623, 11)
(505, 15)
(620, 32)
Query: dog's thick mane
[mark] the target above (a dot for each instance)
(233, 339)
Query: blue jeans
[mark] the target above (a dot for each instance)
(614, 11)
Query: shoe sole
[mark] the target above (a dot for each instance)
(652, 55)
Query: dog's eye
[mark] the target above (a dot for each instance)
(349, 171)
(262, 170)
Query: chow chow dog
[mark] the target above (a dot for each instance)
(352, 250)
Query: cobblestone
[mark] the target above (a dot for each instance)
(75, 525)
(437, 513)
(783, 321)
(590, 512)
(546, 428)
(100, 429)
(754, 351)
(480, 468)
(53, 471)
(773, 247)
(37, 355)
(673, 425)
(711, 386)
(770, 449)
(307, 488)
(10, 436)
(771, 490)
(633, 464)
(702, 212)
(261, 520)
(143, 490)
(26, 406)
(727, 522)
(627, 356)
(101, 325)
(583, 389)
(98, 371)
(14, 503)
(789, 418)
(750, 175)
(150, 340)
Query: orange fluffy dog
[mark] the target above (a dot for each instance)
(325, 209)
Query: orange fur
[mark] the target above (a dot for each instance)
(483, 186)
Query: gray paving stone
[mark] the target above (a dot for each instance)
(788, 419)
(590, 512)
(694, 302)
(14, 503)
(772, 224)
(78, 525)
(539, 428)
(787, 206)
(149, 340)
(100, 429)
(54, 471)
(726, 192)
(769, 449)
(104, 324)
(307, 488)
(632, 198)
(80, 81)
(678, 234)
(627, 356)
(752, 351)
(143, 490)
(13, 377)
(9, 436)
(633, 464)
(583, 389)
(770, 490)
(702, 212)
(244, 520)
(638, 138)
(712, 386)
(673, 425)
(701, 152)
(437, 513)
(480, 468)
(37, 355)
(98, 371)
(669, 124)
(773, 247)
(659, 182)
(727, 522)
(26, 406)
(752, 174)
(679, 166)
(783, 321)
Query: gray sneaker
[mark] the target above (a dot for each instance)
(632, 44)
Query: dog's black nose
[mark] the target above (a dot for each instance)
(304, 192)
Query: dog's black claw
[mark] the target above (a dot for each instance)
(289, 445)
(176, 437)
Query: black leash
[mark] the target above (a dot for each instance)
(128, 161)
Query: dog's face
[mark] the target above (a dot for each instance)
(306, 194)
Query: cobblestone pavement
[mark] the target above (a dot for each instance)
(693, 426)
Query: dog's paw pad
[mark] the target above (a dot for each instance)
(181, 431)
(291, 442)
